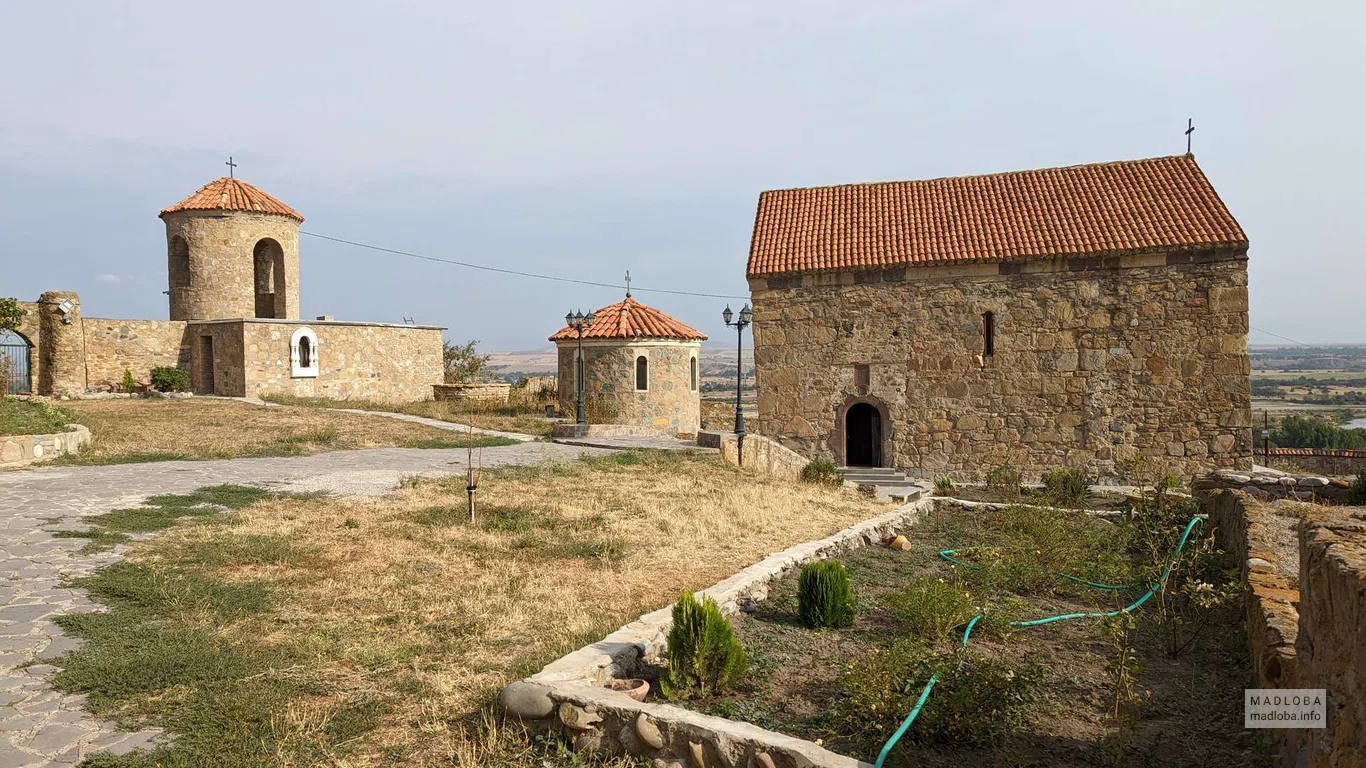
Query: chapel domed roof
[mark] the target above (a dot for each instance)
(630, 319)
(229, 194)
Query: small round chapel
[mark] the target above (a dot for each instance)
(640, 368)
(232, 252)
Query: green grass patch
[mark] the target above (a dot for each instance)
(487, 441)
(30, 417)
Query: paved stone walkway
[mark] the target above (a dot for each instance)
(41, 727)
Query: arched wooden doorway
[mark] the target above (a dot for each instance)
(17, 356)
(862, 436)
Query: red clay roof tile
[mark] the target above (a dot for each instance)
(630, 319)
(1157, 203)
(227, 194)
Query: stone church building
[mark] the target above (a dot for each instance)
(1074, 316)
(232, 257)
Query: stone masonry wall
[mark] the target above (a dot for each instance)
(113, 346)
(355, 361)
(62, 372)
(1095, 362)
(222, 267)
(669, 405)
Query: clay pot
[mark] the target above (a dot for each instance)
(636, 689)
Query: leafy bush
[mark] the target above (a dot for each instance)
(931, 609)
(1005, 479)
(1312, 432)
(823, 472)
(976, 701)
(1067, 487)
(128, 385)
(823, 595)
(943, 485)
(704, 655)
(1357, 493)
(462, 363)
(168, 378)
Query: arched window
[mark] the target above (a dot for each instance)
(269, 260)
(178, 263)
(692, 375)
(642, 373)
(303, 354)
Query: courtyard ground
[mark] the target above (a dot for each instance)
(526, 417)
(361, 631)
(140, 430)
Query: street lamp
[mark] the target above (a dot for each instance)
(579, 321)
(739, 325)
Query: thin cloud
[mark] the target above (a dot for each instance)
(108, 278)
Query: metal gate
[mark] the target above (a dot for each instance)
(16, 352)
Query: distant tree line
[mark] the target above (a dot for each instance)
(1309, 432)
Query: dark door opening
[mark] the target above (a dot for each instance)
(862, 436)
(205, 384)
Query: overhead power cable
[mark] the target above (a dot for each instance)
(517, 272)
(1277, 335)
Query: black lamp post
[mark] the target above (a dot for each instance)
(579, 321)
(739, 325)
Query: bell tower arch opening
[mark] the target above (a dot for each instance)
(268, 259)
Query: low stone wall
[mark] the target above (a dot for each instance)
(569, 695)
(1306, 613)
(761, 454)
(1332, 643)
(573, 431)
(16, 450)
(138, 346)
(1324, 461)
(1265, 484)
(490, 392)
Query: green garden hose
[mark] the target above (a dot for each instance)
(948, 554)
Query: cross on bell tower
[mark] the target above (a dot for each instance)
(628, 283)
(231, 165)
(1190, 128)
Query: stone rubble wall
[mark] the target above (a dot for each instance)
(761, 454)
(1306, 614)
(17, 450)
(1265, 484)
(569, 695)
(113, 346)
(1332, 641)
(1096, 361)
(490, 392)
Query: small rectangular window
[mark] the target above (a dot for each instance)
(862, 377)
(988, 334)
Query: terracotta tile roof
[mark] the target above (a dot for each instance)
(227, 194)
(630, 319)
(1158, 203)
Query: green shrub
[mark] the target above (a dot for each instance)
(129, 384)
(977, 701)
(1005, 479)
(822, 471)
(168, 378)
(1357, 493)
(823, 596)
(943, 485)
(704, 655)
(1067, 487)
(931, 609)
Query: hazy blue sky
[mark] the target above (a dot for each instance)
(586, 138)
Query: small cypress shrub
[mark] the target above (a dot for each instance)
(1067, 487)
(823, 595)
(128, 384)
(704, 655)
(168, 378)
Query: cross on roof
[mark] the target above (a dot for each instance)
(628, 283)
(231, 165)
(1190, 128)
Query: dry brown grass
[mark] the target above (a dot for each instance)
(412, 604)
(153, 430)
(526, 416)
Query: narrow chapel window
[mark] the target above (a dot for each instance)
(988, 334)
(305, 353)
(692, 375)
(642, 373)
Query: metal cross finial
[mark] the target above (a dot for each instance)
(231, 165)
(1190, 128)
(628, 283)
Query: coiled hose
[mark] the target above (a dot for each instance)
(948, 554)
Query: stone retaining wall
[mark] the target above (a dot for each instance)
(761, 454)
(572, 431)
(1306, 614)
(1321, 460)
(569, 695)
(1265, 484)
(16, 450)
(490, 392)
